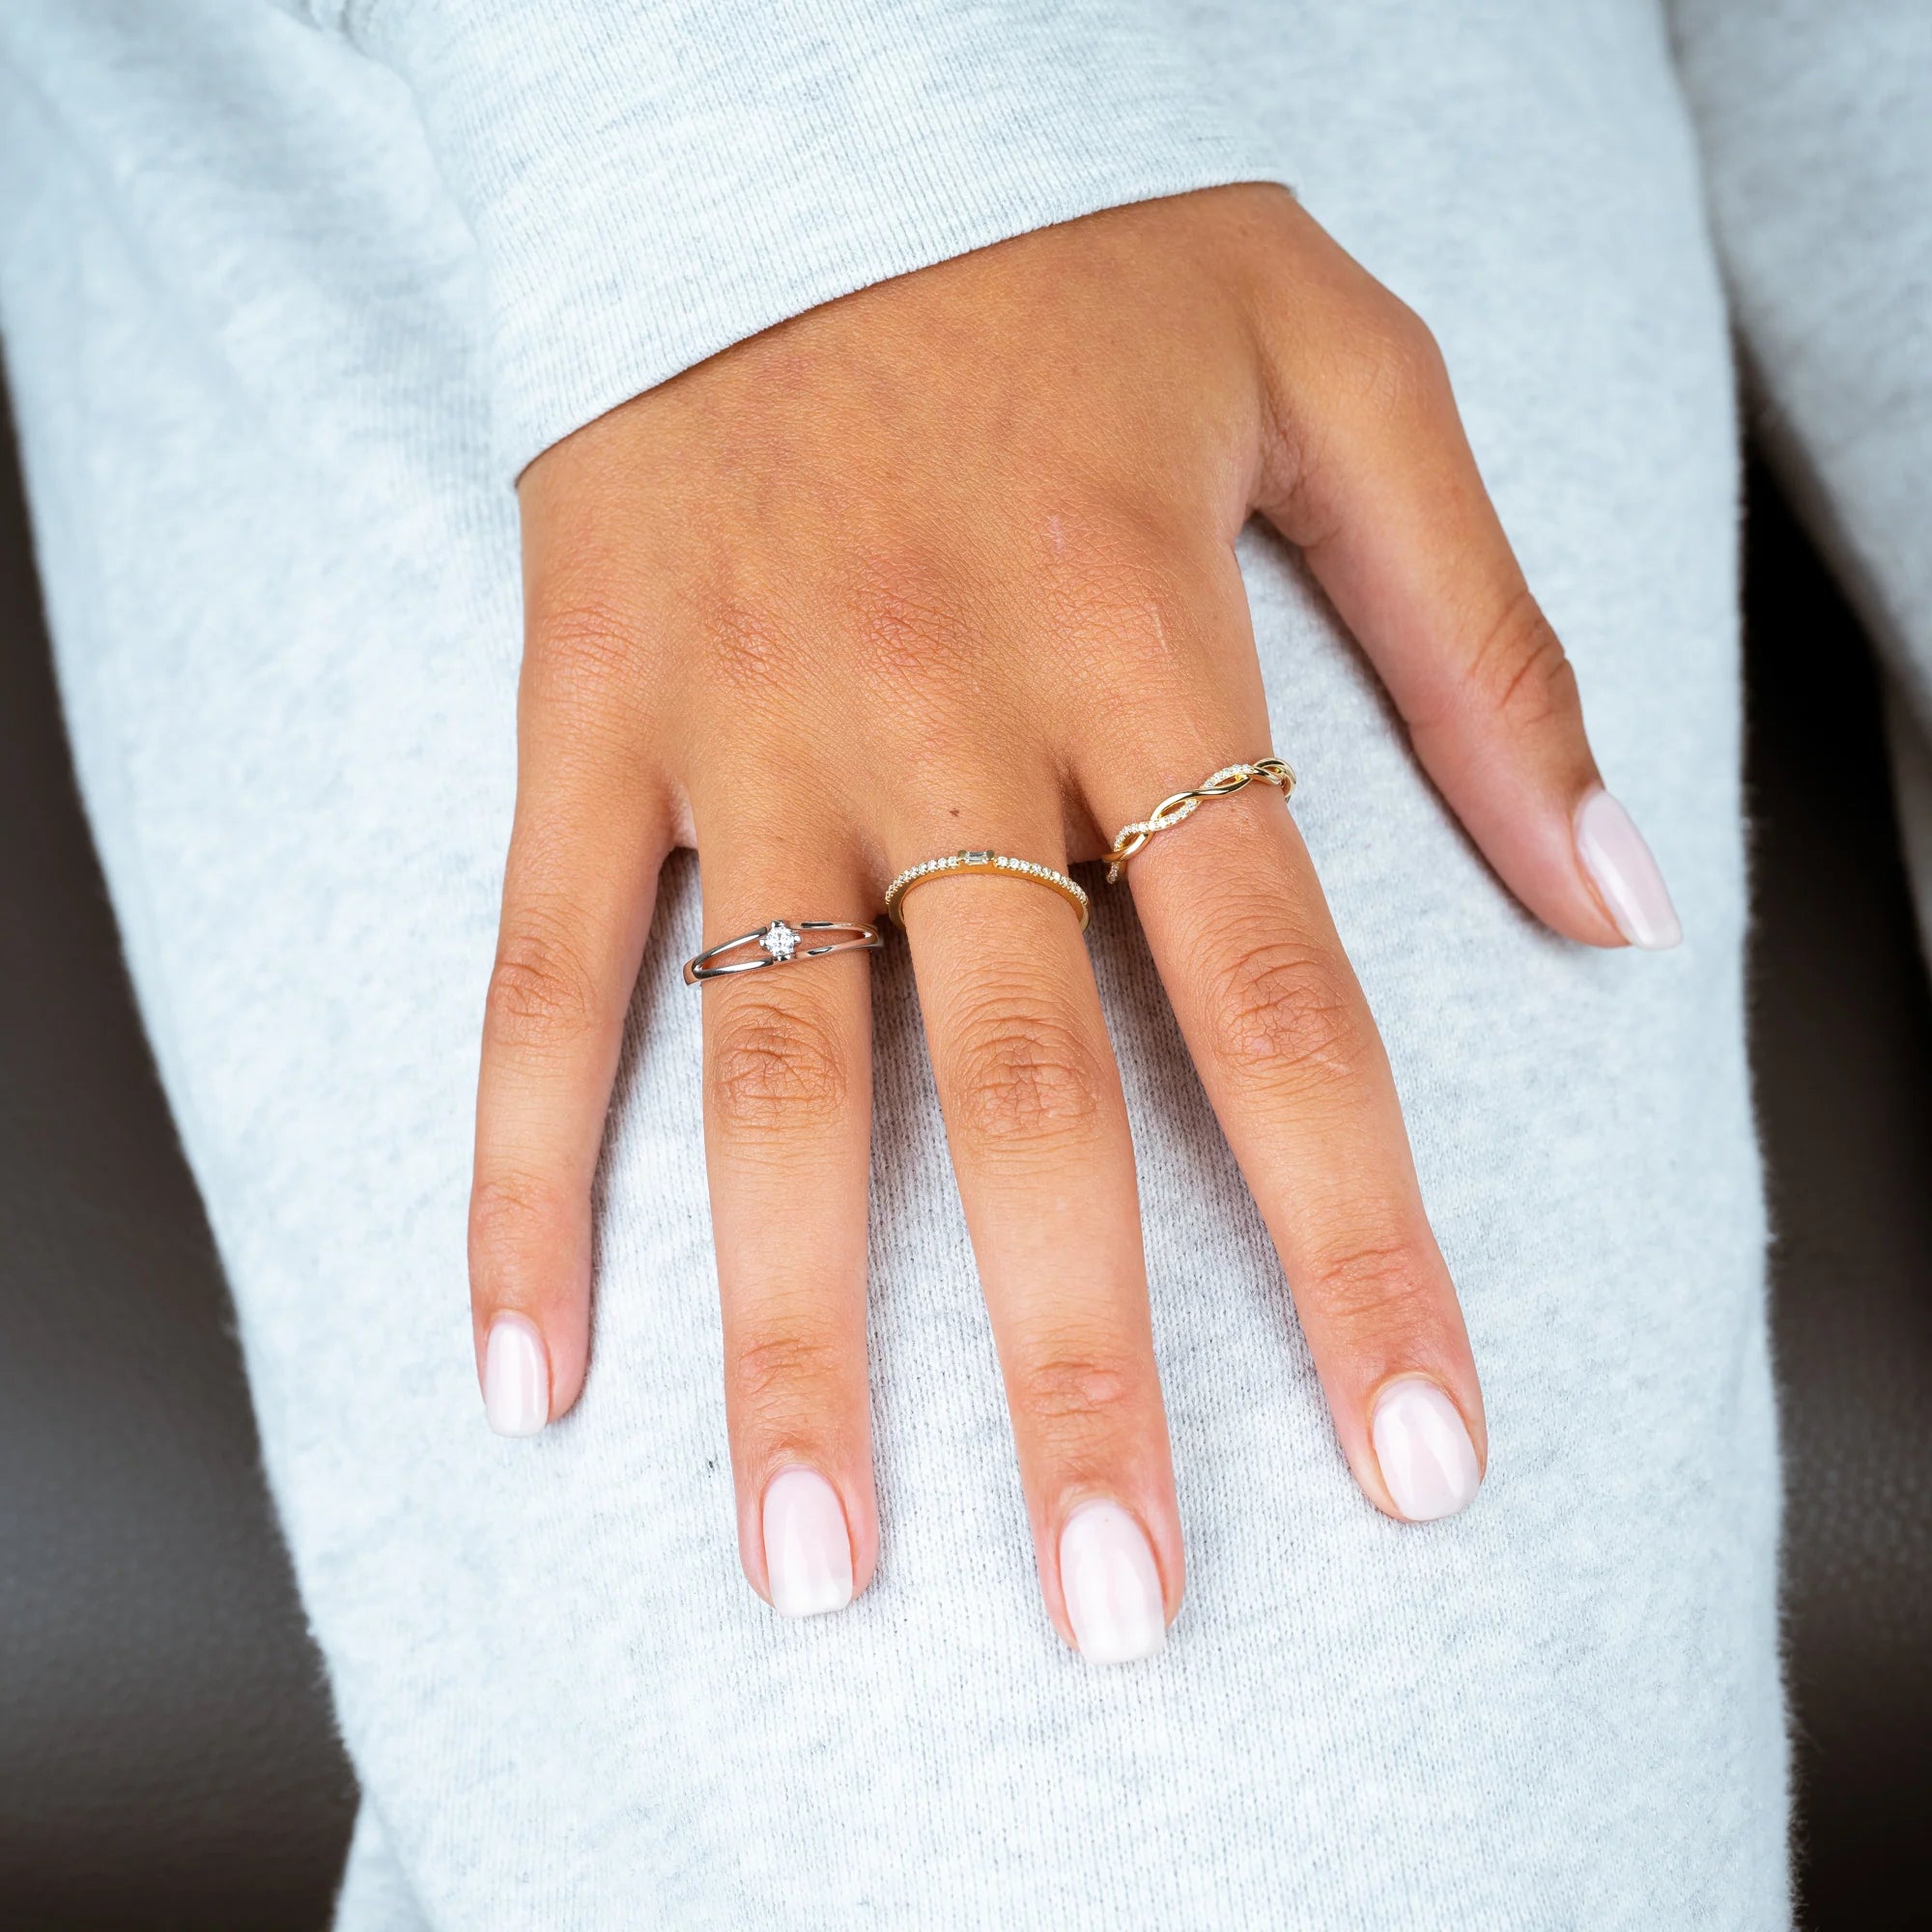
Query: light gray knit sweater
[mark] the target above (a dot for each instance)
(287, 303)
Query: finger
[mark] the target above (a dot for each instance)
(1039, 1134)
(1371, 475)
(787, 1129)
(589, 835)
(1294, 1066)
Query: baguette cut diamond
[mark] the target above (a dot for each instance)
(779, 940)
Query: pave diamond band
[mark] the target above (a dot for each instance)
(1184, 804)
(985, 862)
(782, 941)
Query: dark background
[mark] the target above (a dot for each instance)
(166, 1753)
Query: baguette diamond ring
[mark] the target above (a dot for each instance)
(985, 862)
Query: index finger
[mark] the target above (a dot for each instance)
(1371, 475)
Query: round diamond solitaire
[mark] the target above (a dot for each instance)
(780, 943)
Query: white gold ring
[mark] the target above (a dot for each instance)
(782, 941)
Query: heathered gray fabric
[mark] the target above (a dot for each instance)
(276, 351)
(648, 183)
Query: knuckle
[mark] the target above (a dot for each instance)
(750, 648)
(1134, 620)
(1282, 1009)
(1378, 380)
(1019, 1075)
(1521, 671)
(1399, 370)
(1374, 1286)
(542, 995)
(909, 625)
(787, 1370)
(773, 1066)
(1072, 1389)
(511, 1213)
(583, 651)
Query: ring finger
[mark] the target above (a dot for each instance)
(1038, 1128)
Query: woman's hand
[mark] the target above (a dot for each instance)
(951, 564)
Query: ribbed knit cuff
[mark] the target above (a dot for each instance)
(651, 180)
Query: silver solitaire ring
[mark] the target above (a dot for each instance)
(782, 943)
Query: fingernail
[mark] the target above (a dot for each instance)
(807, 1548)
(1615, 856)
(516, 1376)
(1112, 1586)
(1427, 1458)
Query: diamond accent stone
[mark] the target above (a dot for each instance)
(777, 940)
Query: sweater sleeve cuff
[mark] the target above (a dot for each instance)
(651, 182)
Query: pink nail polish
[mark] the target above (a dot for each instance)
(1614, 855)
(1427, 1462)
(516, 1376)
(1112, 1586)
(807, 1547)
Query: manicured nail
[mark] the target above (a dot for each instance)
(807, 1548)
(1615, 856)
(516, 1376)
(1112, 1588)
(1427, 1458)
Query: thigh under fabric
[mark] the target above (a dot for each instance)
(284, 586)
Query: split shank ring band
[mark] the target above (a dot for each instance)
(985, 862)
(780, 943)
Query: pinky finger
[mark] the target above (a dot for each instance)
(581, 877)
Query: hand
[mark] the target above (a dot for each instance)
(951, 564)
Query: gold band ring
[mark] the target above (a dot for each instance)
(985, 862)
(1169, 811)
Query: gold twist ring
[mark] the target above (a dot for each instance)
(1169, 811)
(985, 862)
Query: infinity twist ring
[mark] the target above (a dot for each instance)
(1184, 804)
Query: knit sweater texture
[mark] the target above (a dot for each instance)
(288, 297)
